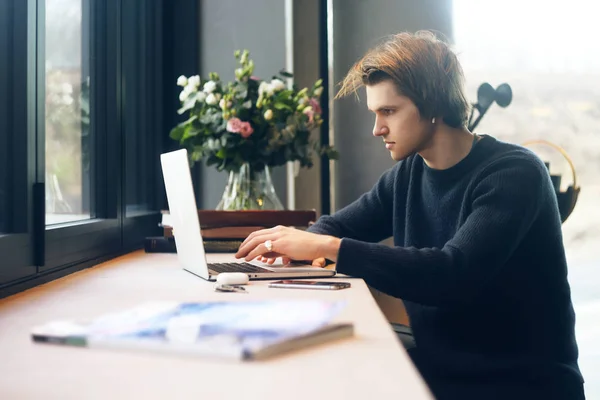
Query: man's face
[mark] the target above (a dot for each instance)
(397, 121)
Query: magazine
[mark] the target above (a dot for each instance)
(243, 330)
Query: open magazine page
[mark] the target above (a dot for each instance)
(231, 329)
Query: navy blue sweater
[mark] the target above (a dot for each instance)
(479, 262)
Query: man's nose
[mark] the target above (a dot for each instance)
(379, 129)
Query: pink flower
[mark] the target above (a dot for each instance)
(234, 125)
(255, 78)
(308, 111)
(315, 105)
(246, 129)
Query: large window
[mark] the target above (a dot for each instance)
(67, 111)
(548, 53)
(553, 67)
(81, 130)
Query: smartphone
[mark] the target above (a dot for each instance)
(323, 285)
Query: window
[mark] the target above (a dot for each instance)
(553, 67)
(81, 130)
(81, 224)
(555, 92)
(67, 112)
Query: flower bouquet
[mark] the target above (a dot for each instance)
(248, 126)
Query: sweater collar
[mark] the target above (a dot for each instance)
(463, 166)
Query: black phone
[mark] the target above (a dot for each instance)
(297, 284)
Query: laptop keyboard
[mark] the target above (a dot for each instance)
(236, 267)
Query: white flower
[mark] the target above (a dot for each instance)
(190, 88)
(222, 104)
(194, 81)
(303, 100)
(247, 104)
(210, 86)
(262, 87)
(318, 91)
(182, 81)
(265, 89)
(184, 94)
(218, 96)
(268, 114)
(277, 85)
(200, 97)
(211, 99)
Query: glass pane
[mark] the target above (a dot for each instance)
(67, 113)
(139, 113)
(554, 72)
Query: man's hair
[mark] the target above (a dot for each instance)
(423, 68)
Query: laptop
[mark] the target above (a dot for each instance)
(188, 237)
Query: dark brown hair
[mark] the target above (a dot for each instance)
(422, 67)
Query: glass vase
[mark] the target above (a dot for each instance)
(249, 188)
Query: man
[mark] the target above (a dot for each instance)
(478, 257)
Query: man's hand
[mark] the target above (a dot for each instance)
(319, 262)
(290, 244)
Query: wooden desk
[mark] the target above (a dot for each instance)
(370, 365)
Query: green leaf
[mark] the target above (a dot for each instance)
(206, 119)
(188, 121)
(196, 155)
(190, 131)
(282, 106)
(285, 94)
(286, 74)
(177, 132)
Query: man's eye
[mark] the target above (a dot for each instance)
(387, 111)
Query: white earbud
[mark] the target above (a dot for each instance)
(433, 120)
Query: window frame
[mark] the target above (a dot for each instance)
(32, 252)
(16, 244)
(85, 240)
(112, 231)
(134, 226)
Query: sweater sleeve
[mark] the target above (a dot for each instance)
(368, 219)
(505, 203)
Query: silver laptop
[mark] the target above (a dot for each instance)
(188, 238)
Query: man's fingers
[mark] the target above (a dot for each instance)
(259, 249)
(319, 262)
(252, 244)
(261, 232)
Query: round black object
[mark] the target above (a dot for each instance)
(503, 95)
(486, 95)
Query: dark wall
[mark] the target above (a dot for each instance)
(181, 50)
